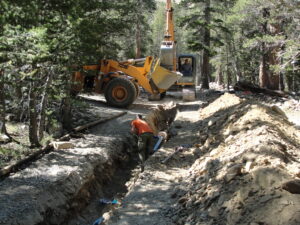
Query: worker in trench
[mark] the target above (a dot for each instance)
(144, 132)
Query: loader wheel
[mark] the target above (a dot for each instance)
(163, 95)
(120, 92)
(137, 89)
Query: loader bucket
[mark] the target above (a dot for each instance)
(164, 78)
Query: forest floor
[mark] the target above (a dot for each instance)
(19, 148)
(240, 165)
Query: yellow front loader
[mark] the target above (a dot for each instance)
(120, 81)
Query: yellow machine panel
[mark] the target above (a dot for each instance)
(164, 78)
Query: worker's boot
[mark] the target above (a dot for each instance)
(142, 167)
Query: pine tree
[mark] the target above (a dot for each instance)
(262, 30)
(204, 21)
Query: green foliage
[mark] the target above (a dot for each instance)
(240, 28)
(158, 28)
(196, 22)
(268, 39)
(247, 19)
(41, 39)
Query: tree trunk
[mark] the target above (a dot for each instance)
(66, 114)
(220, 77)
(206, 53)
(33, 137)
(236, 62)
(296, 75)
(281, 82)
(281, 74)
(227, 68)
(228, 79)
(253, 74)
(274, 58)
(263, 68)
(274, 77)
(44, 101)
(138, 40)
(289, 80)
(66, 108)
(2, 105)
(19, 101)
(268, 78)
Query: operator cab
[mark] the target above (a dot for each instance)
(187, 65)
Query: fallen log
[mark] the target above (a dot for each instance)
(246, 86)
(94, 123)
(4, 172)
(67, 137)
(15, 166)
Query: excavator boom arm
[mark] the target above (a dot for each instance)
(169, 34)
(168, 46)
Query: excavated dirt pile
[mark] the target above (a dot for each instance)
(249, 168)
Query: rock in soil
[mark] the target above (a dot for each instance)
(292, 186)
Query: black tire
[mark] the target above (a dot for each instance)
(163, 95)
(120, 92)
(137, 88)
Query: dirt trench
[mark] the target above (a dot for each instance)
(109, 182)
(113, 182)
(64, 186)
(54, 188)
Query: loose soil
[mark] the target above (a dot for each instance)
(239, 165)
(243, 154)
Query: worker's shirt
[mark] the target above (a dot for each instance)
(141, 126)
(186, 69)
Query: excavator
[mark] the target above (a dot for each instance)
(170, 60)
(120, 81)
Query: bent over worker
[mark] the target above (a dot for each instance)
(145, 138)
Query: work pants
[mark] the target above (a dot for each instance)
(145, 146)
